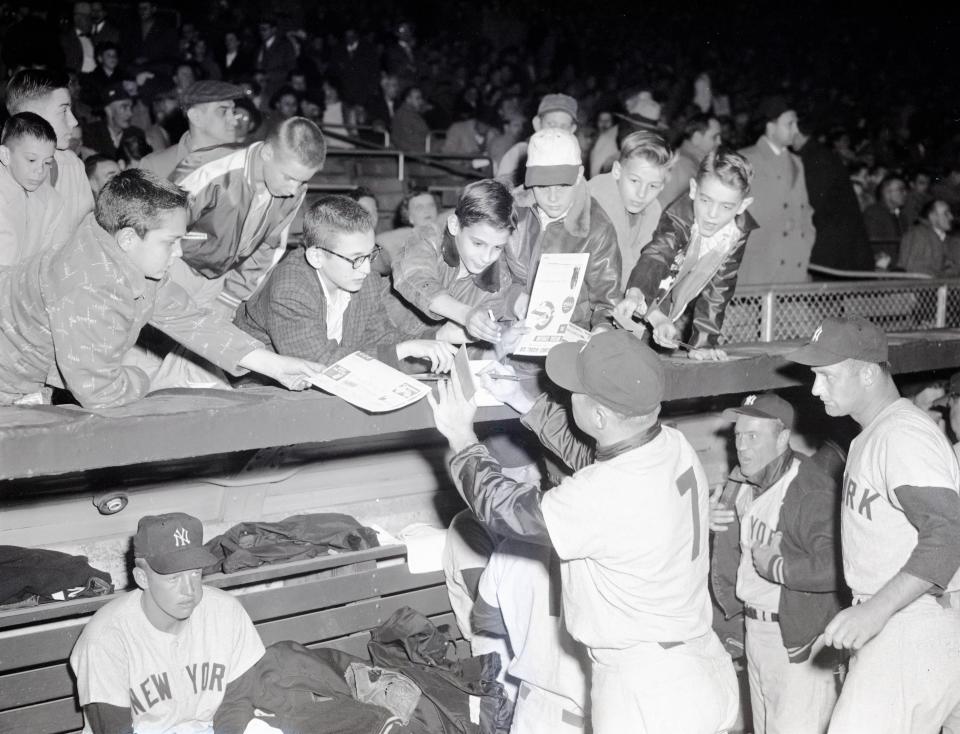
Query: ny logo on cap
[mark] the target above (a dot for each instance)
(180, 537)
(816, 334)
(750, 400)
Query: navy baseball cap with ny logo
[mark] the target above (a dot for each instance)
(838, 339)
(171, 543)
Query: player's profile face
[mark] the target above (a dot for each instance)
(838, 386)
(756, 442)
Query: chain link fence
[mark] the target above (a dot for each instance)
(793, 311)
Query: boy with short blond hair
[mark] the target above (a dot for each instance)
(31, 213)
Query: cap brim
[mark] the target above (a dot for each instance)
(732, 414)
(813, 355)
(561, 366)
(551, 175)
(187, 559)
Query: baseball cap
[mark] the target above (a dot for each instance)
(553, 159)
(838, 339)
(171, 543)
(614, 368)
(115, 93)
(559, 103)
(209, 91)
(766, 405)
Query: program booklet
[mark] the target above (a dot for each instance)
(370, 384)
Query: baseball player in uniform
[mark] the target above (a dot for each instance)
(777, 563)
(900, 532)
(629, 528)
(159, 659)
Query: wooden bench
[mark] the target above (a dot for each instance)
(331, 601)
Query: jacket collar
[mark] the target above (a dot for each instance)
(577, 219)
(106, 242)
(770, 474)
(606, 453)
(488, 280)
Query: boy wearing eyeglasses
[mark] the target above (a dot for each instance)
(320, 300)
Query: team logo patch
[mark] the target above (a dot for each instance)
(180, 537)
(816, 334)
(750, 400)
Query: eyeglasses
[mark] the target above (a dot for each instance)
(356, 262)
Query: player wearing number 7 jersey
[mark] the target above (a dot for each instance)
(629, 527)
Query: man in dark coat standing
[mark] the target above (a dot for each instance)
(841, 240)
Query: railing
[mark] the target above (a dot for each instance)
(339, 132)
(786, 311)
(437, 161)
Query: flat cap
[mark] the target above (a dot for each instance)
(209, 91)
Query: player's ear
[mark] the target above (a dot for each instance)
(140, 577)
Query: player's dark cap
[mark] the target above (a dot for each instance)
(116, 92)
(838, 339)
(209, 90)
(614, 368)
(171, 543)
(766, 405)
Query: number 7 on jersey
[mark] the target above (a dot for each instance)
(687, 483)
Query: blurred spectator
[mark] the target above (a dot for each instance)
(107, 136)
(917, 195)
(236, 60)
(418, 208)
(701, 136)
(76, 41)
(249, 121)
(778, 252)
(468, 137)
(335, 114)
(167, 120)
(643, 113)
(555, 111)
(100, 169)
(400, 58)
(106, 73)
(151, 44)
(204, 61)
(501, 141)
(276, 57)
(409, 130)
(604, 121)
(884, 218)
(209, 107)
(101, 29)
(383, 106)
(353, 62)
(312, 108)
(948, 189)
(841, 239)
(923, 248)
(184, 76)
(366, 198)
(859, 179)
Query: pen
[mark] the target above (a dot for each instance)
(495, 376)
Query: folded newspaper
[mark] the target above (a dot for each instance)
(370, 384)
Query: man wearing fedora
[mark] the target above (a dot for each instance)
(161, 657)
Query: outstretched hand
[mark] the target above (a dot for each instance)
(453, 413)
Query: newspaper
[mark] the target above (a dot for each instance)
(554, 296)
(368, 383)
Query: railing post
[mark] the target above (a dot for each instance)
(400, 166)
(768, 309)
(386, 138)
(941, 317)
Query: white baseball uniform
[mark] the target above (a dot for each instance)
(907, 678)
(523, 580)
(785, 697)
(172, 683)
(632, 532)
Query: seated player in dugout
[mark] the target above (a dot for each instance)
(557, 214)
(455, 275)
(321, 302)
(161, 658)
(70, 315)
(686, 276)
(31, 212)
